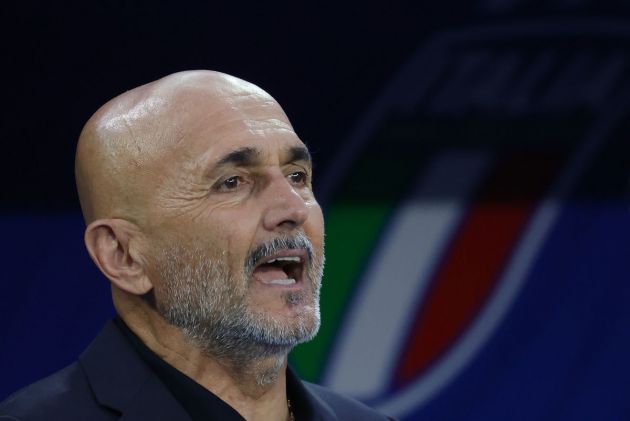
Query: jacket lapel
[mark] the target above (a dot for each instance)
(321, 410)
(123, 382)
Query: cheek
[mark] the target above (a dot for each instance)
(235, 238)
(314, 226)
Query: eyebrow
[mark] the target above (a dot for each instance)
(300, 153)
(249, 156)
(241, 157)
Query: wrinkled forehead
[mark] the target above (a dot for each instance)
(231, 118)
(246, 112)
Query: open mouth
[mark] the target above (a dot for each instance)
(282, 268)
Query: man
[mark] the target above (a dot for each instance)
(197, 196)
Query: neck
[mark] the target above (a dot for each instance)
(255, 388)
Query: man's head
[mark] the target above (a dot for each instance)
(197, 194)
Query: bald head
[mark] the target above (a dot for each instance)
(121, 145)
(184, 182)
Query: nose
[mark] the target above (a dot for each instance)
(285, 208)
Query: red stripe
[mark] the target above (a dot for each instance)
(473, 262)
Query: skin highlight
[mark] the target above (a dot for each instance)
(165, 215)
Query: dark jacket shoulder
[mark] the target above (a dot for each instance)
(48, 399)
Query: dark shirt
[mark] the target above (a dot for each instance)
(199, 402)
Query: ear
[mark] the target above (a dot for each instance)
(113, 245)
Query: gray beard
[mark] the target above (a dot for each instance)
(209, 304)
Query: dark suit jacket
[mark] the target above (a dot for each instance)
(110, 381)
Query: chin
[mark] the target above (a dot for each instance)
(292, 327)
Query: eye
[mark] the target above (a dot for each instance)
(230, 183)
(298, 177)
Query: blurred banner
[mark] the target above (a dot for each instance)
(478, 233)
(478, 237)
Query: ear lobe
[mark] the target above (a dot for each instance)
(111, 243)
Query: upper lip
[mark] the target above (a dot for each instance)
(301, 253)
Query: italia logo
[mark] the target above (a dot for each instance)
(441, 200)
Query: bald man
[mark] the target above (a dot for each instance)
(197, 196)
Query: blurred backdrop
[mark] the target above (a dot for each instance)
(472, 158)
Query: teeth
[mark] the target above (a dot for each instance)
(289, 281)
(296, 259)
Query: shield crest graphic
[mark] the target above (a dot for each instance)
(440, 203)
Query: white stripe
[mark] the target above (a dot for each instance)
(468, 346)
(369, 340)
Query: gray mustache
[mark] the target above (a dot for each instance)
(298, 241)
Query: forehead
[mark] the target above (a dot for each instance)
(218, 126)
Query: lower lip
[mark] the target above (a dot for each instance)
(296, 285)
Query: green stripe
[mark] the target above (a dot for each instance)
(351, 230)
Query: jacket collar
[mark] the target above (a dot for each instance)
(121, 381)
